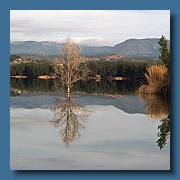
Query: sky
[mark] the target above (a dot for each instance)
(88, 27)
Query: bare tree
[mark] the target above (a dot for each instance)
(71, 65)
(70, 118)
(69, 68)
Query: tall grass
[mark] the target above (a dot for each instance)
(157, 77)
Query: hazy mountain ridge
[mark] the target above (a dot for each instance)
(128, 104)
(137, 48)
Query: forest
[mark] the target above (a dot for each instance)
(102, 68)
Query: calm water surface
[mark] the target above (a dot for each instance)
(88, 132)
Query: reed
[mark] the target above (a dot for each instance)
(157, 77)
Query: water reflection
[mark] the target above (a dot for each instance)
(164, 132)
(157, 108)
(70, 118)
(89, 86)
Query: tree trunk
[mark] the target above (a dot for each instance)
(68, 92)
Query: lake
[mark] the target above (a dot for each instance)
(102, 126)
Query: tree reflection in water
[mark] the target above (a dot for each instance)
(164, 132)
(157, 108)
(70, 118)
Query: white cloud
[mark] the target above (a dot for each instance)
(92, 27)
(86, 40)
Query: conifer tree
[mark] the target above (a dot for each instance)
(164, 51)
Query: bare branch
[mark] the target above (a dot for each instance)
(71, 66)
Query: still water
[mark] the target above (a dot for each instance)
(88, 131)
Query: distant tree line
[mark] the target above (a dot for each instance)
(31, 69)
(117, 68)
(104, 69)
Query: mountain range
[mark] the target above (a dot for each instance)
(131, 48)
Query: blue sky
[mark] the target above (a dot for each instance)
(89, 27)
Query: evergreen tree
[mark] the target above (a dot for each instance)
(164, 50)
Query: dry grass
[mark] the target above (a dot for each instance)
(157, 77)
(157, 74)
